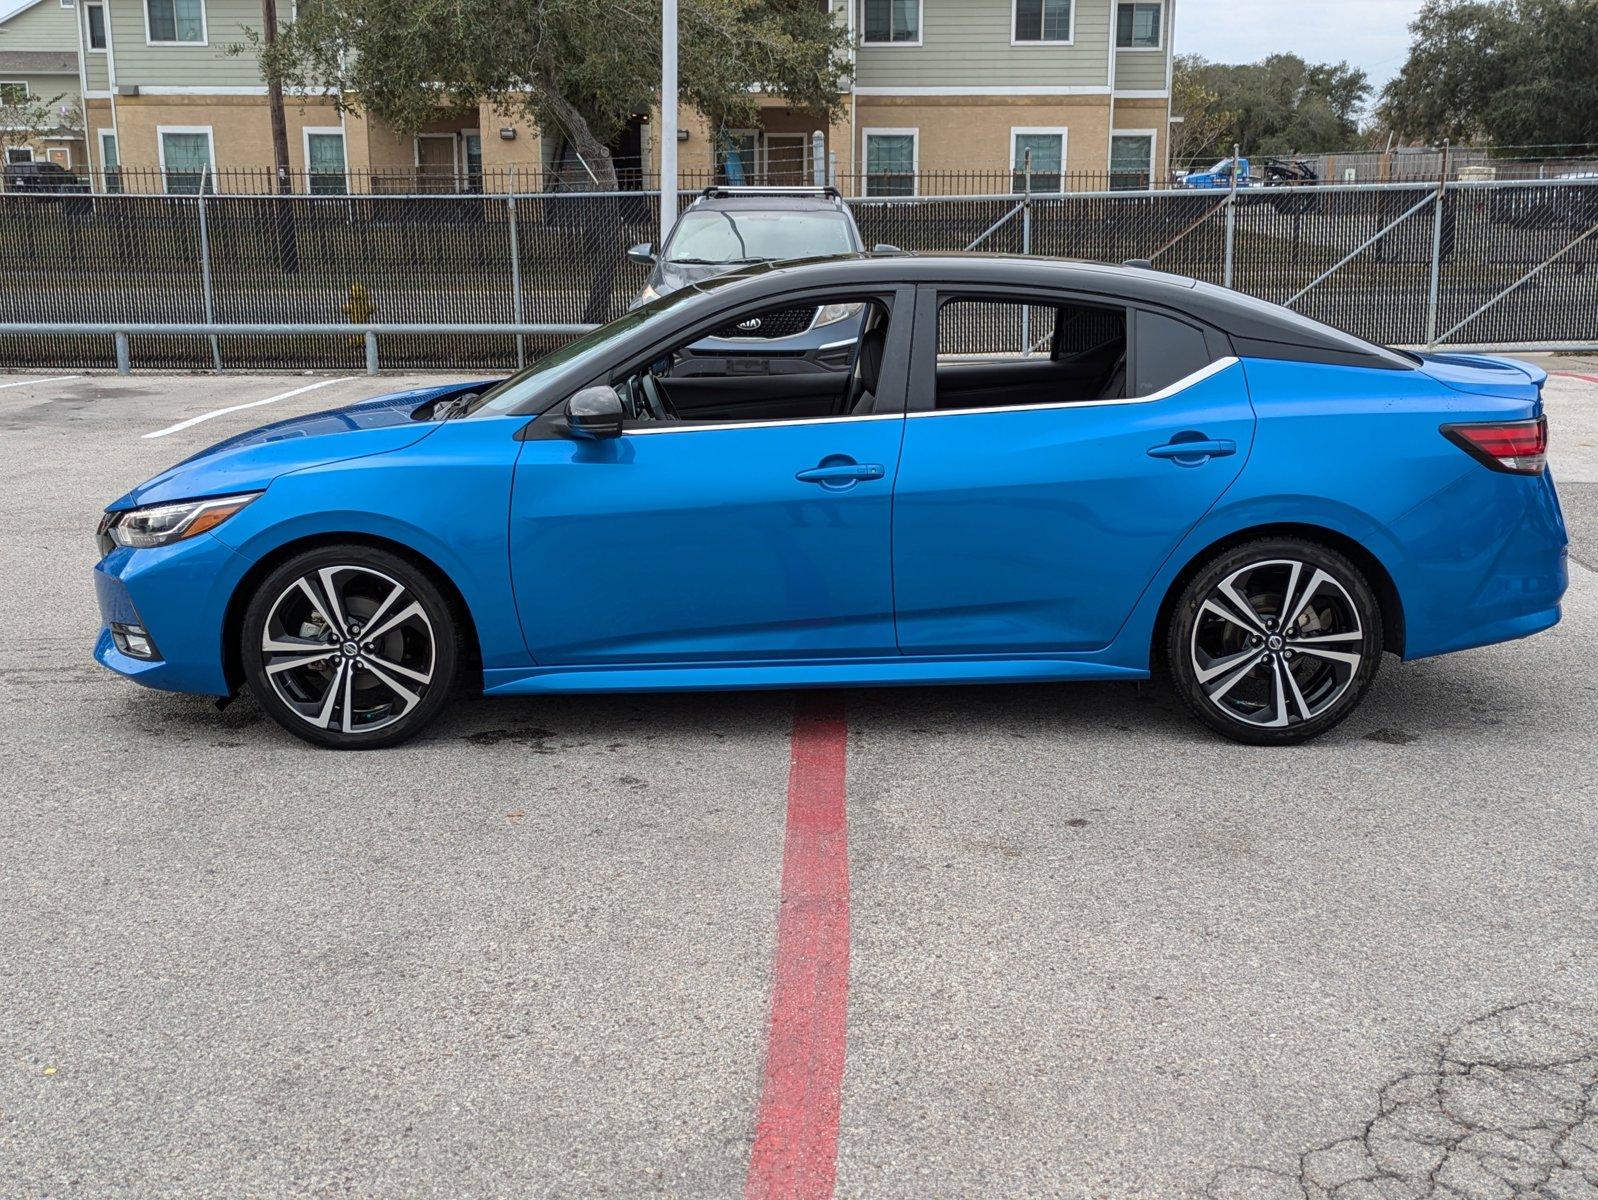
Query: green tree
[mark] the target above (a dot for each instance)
(1204, 120)
(579, 67)
(1505, 72)
(1278, 105)
(24, 119)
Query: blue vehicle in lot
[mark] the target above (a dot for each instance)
(1032, 470)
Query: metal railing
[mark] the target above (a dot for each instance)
(489, 281)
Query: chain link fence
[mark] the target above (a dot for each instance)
(1460, 264)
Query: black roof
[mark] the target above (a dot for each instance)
(1257, 328)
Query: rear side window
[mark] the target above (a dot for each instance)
(1165, 350)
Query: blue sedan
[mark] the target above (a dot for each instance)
(1031, 470)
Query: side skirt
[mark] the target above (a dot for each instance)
(884, 672)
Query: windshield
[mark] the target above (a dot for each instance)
(732, 236)
(572, 358)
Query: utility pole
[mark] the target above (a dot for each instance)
(668, 118)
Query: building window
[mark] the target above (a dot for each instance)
(13, 91)
(891, 162)
(1042, 21)
(96, 18)
(1047, 147)
(176, 21)
(185, 158)
(19, 154)
(1137, 26)
(110, 162)
(890, 22)
(735, 156)
(1132, 159)
(324, 162)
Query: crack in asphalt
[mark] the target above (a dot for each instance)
(1507, 1108)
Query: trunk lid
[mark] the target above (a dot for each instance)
(1485, 375)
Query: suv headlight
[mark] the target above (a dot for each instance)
(831, 314)
(162, 524)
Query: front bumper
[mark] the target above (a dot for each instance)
(179, 594)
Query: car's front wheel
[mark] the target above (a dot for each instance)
(1275, 641)
(350, 647)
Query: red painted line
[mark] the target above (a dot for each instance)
(795, 1155)
(1576, 375)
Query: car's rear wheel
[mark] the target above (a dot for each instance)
(350, 647)
(1275, 641)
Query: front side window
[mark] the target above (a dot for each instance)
(95, 14)
(181, 21)
(186, 159)
(1131, 160)
(324, 163)
(726, 236)
(890, 21)
(891, 163)
(1137, 26)
(1043, 20)
(753, 367)
(1044, 152)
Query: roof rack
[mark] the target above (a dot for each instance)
(720, 189)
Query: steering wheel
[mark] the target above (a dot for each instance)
(655, 397)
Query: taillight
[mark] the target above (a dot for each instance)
(1519, 447)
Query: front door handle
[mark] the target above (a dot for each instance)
(840, 474)
(1195, 451)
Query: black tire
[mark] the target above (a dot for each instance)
(1227, 664)
(312, 683)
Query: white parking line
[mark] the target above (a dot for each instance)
(52, 379)
(222, 412)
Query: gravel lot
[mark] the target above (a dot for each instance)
(1095, 953)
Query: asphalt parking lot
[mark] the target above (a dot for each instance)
(1091, 951)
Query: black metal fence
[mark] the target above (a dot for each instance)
(1465, 264)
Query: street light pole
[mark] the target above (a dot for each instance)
(668, 119)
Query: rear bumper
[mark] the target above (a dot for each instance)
(1488, 565)
(179, 594)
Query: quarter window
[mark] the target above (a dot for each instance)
(181, 21)
(1137, 26)
(1165, 351)
(1043, 20)
(890, 21)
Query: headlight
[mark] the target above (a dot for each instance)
(831, 314)
(162, 524)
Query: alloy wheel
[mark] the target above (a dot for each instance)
(348, 648)
(1277, 643)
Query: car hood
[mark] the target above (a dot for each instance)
(671, 277)
(249, 461)
(1484, 374)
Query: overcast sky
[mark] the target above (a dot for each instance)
(1370, 34)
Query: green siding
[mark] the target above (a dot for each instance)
(189, 66)
(45, 26)
(96, 71)
(1139, 70)
(966, 44)
(46, 87)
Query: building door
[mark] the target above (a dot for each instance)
(435, 162)
(785, 160)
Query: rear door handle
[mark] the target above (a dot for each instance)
(840, 474)
(1197, 450)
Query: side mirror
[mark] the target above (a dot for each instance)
(643, 254)
(595, 412)
(884, 248)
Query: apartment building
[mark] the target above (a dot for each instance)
(947, 95)
(39, 62)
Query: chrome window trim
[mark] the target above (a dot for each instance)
(1169, 390)
(708, 428)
